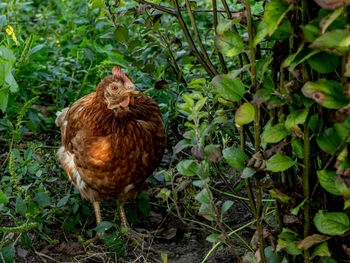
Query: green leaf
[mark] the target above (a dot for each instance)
(203, 196)
(278, 195)
(245, 114)
(298, 148)
(207, 212)
(337, 41)
(248, 172)
(274, 13)
(331, 223)
(5, 70)
(317, 62)
(213, 238)
(43, 199)
(321, 250)
(282, 32)
(235, 157)
(187, 167)
(188, 99)
(199, 105)
(20, 206)
(326, 179)
(143, 203)
(230, 43)
(229, 89)
(3, 198)
(7, 54)
(121, 34)
(328, 93)
(63, 201)
(311, 32)
(97, 4)
(279, 163)
(8, 254)
(287, 240)
(11, 82)
(3, 21)
(296, 209)
(226, 206)
(331, 138)
(103, 226)
(262, 32)
(275, 134)
(295, 118)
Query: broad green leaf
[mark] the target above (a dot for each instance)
(63, 201)
(187, 167)
(8, 254)
(20, 206)
(337, 41)
(121, 34)
(5, 70)
(188, 99)
(7, 54)
(182, 145)
(321, 250)
(235, 157)
(279, 163)
(331, 18)
(295, 118)
(226, 206)
(287, 241)
(328, 93)
(311, 31)
(317, 62)
(331, 223)
(326, 179)
(3, 198)
(282, 32)
(103, 226)
(43, 199)
(230, 43)
(331, 138)
(199, 105)
(298, 148)
(3, 21)
(207, 212)
(229, 89)
(274, 13)
(244, 114)
(262, 32)
(11, 82)
(203, 196)
(213, 238)
(275, 134)
(224, 26)
(97, 4)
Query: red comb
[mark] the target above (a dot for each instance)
(119, 74)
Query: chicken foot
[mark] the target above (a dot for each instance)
(97, 209)
(124, 224)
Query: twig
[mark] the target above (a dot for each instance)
(190, 40)
(215, 22)
(199, 40)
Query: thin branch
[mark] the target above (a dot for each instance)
(215, 22)
(165, 9)
(199, 40)
(190, 40)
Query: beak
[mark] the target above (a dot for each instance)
(130, 93)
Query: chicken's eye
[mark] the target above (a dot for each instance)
(114, 87)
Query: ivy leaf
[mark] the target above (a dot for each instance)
(326, 179)
(332, 223)
(274, 13)
(275, 133)
(337, 41)
(229, 89)
(279, 163)
(244, 114)
(328, 93)
(235, 157)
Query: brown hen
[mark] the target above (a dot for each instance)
(112, 140)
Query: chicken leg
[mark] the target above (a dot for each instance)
(124, 224)
(97, 209)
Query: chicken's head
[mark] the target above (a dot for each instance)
(120, 91)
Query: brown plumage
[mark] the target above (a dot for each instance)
(112, 140)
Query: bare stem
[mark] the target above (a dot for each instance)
(215, 22)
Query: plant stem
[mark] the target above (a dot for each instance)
(306, 187)
(200, 43)
(258, 214)
(215, 22)
(190, 40)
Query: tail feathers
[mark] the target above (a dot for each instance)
(61, 116)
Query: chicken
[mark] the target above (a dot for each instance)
(112, 140)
